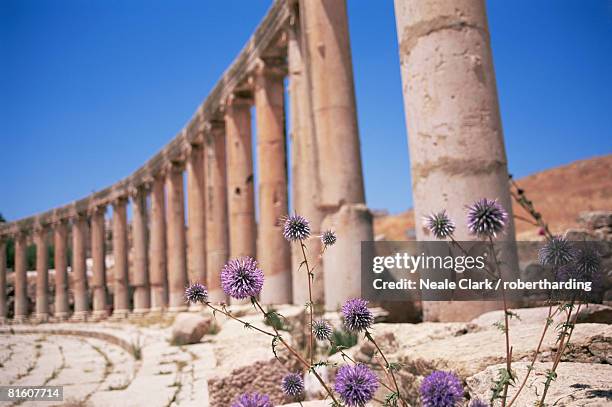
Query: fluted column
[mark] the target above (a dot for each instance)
(157, 248)
(3, 308)
(175, 216)
(42, 273)
(60, 236)
(79, 267)
(121, 300)
(305, 186)
(273, 250)
(457, 153)
(330, 72)
(240, 180)
(196, 257)
(142, 289)
(217, 231)
(98, 255)
(20, 281)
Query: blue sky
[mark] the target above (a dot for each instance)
(89, 90)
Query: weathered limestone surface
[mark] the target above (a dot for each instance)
(451, 105)
(577, 384)
(189, 328)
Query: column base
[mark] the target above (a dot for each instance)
(61, 316)
(2, 320)
(141, 311)
(42, 317)
(20, 319)
(79, 316)
(156, 311)
(176, 309)
(98, 315)
(120, 314)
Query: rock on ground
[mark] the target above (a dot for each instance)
(189, 328)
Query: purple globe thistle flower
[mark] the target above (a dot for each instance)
(253, 400)
(322, 330)
(329, 238)
(441, 389)
(557, 252)
(439, 224)
(357, 316)
(478, 403)
(486, 218)
(356, 384)
(296, 228)
(196, 293)
(588, 262)
(293, 385)
(241, 278)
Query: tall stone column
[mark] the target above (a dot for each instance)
(157, 248)
(175, 215)
(42, 273)
(330, 76)
(98, 255)
(142, 289)
(455, 136)
(121, 300)
(20, 281)
(79, 267)
(196, 219)
(273, 252)
(3, 308)
(60, 236)
(217, 232)
(305, 185)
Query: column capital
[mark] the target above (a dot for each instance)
(97, 208)
(134, 191)
(239, 98)
(119, 200)
(270, 66)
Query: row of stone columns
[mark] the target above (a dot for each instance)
(221, 215)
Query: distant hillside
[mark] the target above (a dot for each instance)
(560, 194)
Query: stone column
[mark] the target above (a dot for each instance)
(455, 136)
(20, 278)
(241, 201)
(121, 300)
(3, 308)
(305, 185)
(79, 267)
(60, 236)
(196, 257)
(42, 274)
(142, 290)
(175, 215)
(98, 255)
(157, 253)
(273, 251)
(330, 72)
(217, 233)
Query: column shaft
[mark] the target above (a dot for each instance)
(157, 254)
(20, 281)
(457, 152)
(196, 257)
(305, 187)
(217, 232)
(241, 201)
(79, 267)
(3, 308)
(98, 254)
(273, 251)
(175, 214)
(121, 300)
(330, 75)
(60, 236)
(142, 289)
(42, 274)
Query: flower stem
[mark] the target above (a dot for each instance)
(387, 367)
(310, 304)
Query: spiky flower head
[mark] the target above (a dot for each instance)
(439, 224)
(253, 400)
(486, 218)
(356, 384)
(296, 228)
(588, 262)
(322, 330)
(441, 389)
(241, 278)
(357, 315)
(293, 385)
(556, 252)
(478, 403)
(196, 293)
(328, 238)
